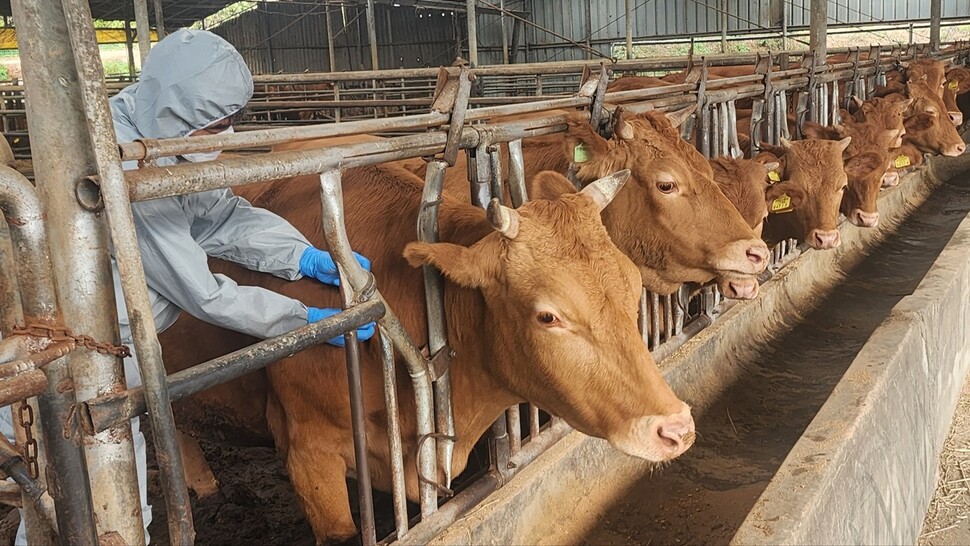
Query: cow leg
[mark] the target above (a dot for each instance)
(198, 475)
(319, 478)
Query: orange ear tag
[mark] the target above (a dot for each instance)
(902, 161)
(580, 154)
(780, 205)
(774, 176)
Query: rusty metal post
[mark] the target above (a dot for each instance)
(470, 12)
(130, 47)
(817, 30)
(372, 35)
(79, 252)
(331, 54)
(936, 12)
(142, 29)
(102, 153)
(159, 18)
(628, 11)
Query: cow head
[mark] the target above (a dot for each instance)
(808, 197)
(562, 302)
(884, 113)
(928, 127)
(867, 159)
(670, 219)
(743, 182)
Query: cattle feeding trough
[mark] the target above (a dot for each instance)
(451, 125)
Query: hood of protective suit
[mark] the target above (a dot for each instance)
(191, 79)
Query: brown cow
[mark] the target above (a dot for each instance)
(926, 127)
(805, 203)
(629, 83)
(541, 306)
(744, 182)
(866, 159)
(672, 187)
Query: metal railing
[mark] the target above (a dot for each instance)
(449, 126)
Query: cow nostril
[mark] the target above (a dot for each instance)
(755, 255)
(672, 437)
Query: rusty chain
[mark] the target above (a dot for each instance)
(29, 448)
(60, 333)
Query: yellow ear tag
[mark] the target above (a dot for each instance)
(774, 176)
(781, 204)
(902, 161)
(953, 84)
(580, 154)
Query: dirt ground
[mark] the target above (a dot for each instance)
(947, 522)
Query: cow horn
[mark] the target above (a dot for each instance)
(680, 116)
(785, 143)
(503, 219)
(603, 191)
(856, 101)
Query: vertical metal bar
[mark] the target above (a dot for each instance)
(588, 24)
(517, 189)
(495, 178)
(505, 35)
(628, 11)
(372, 35)
(79, 253)
(936, 13)
(481, 177)
(114, 192)
(472, 33)
(654, 320)
(724, 131)
(515, 429)
(130, 46)
(533, 421)
(784, 25)
(368, 530)
(159, 18)
(705, 131)
(499, 446)
(331, 54)
(142, 29)
(817, 30)
(331, 199)
(668, 318)
(724, 25)
(398, 486)
(678, 317)
(434, 289)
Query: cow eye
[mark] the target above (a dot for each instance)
(666, 186)
(546, 318)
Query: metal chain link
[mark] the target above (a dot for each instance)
(29, 448)
(61, 333)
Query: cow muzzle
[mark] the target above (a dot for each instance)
(739, 288)
(864, 219)
(658, 438)
(955, 150)
(824, 239)
(744, 257)
(890, 179)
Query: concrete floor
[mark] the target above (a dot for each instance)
(947, 522)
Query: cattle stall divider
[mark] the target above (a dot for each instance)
(666, 320)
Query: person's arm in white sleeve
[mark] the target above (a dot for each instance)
(226, 226)
(177, 268)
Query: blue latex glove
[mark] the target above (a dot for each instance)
(318, 264)
(314, 314)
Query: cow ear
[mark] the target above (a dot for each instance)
(603, 191)
(550, 185)
(903, 104)
(678, 117)
(461, 265)
(844, 143)
(772, 166)
(776, 194)
(919, 122)
(817, 131)
(582, 142)
(622, 128)
(863, 165)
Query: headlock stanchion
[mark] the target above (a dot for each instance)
(75, 419)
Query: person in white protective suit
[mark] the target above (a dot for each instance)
(195, 83)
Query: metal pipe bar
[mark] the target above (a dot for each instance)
(643, 317)
(517, 189)
(472, 26)
(128, 258)
(533, 422)
(98, 414)
(628, 15)
(514, 428)
(358, 419)
(425, 531)
(372, 35)
(142, 29)
(36, 360)
(84, 285)
(398, 485)
(434, 290)
(331, 197)
(159, 18)
(654, 320)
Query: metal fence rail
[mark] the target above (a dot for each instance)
(449, 126)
